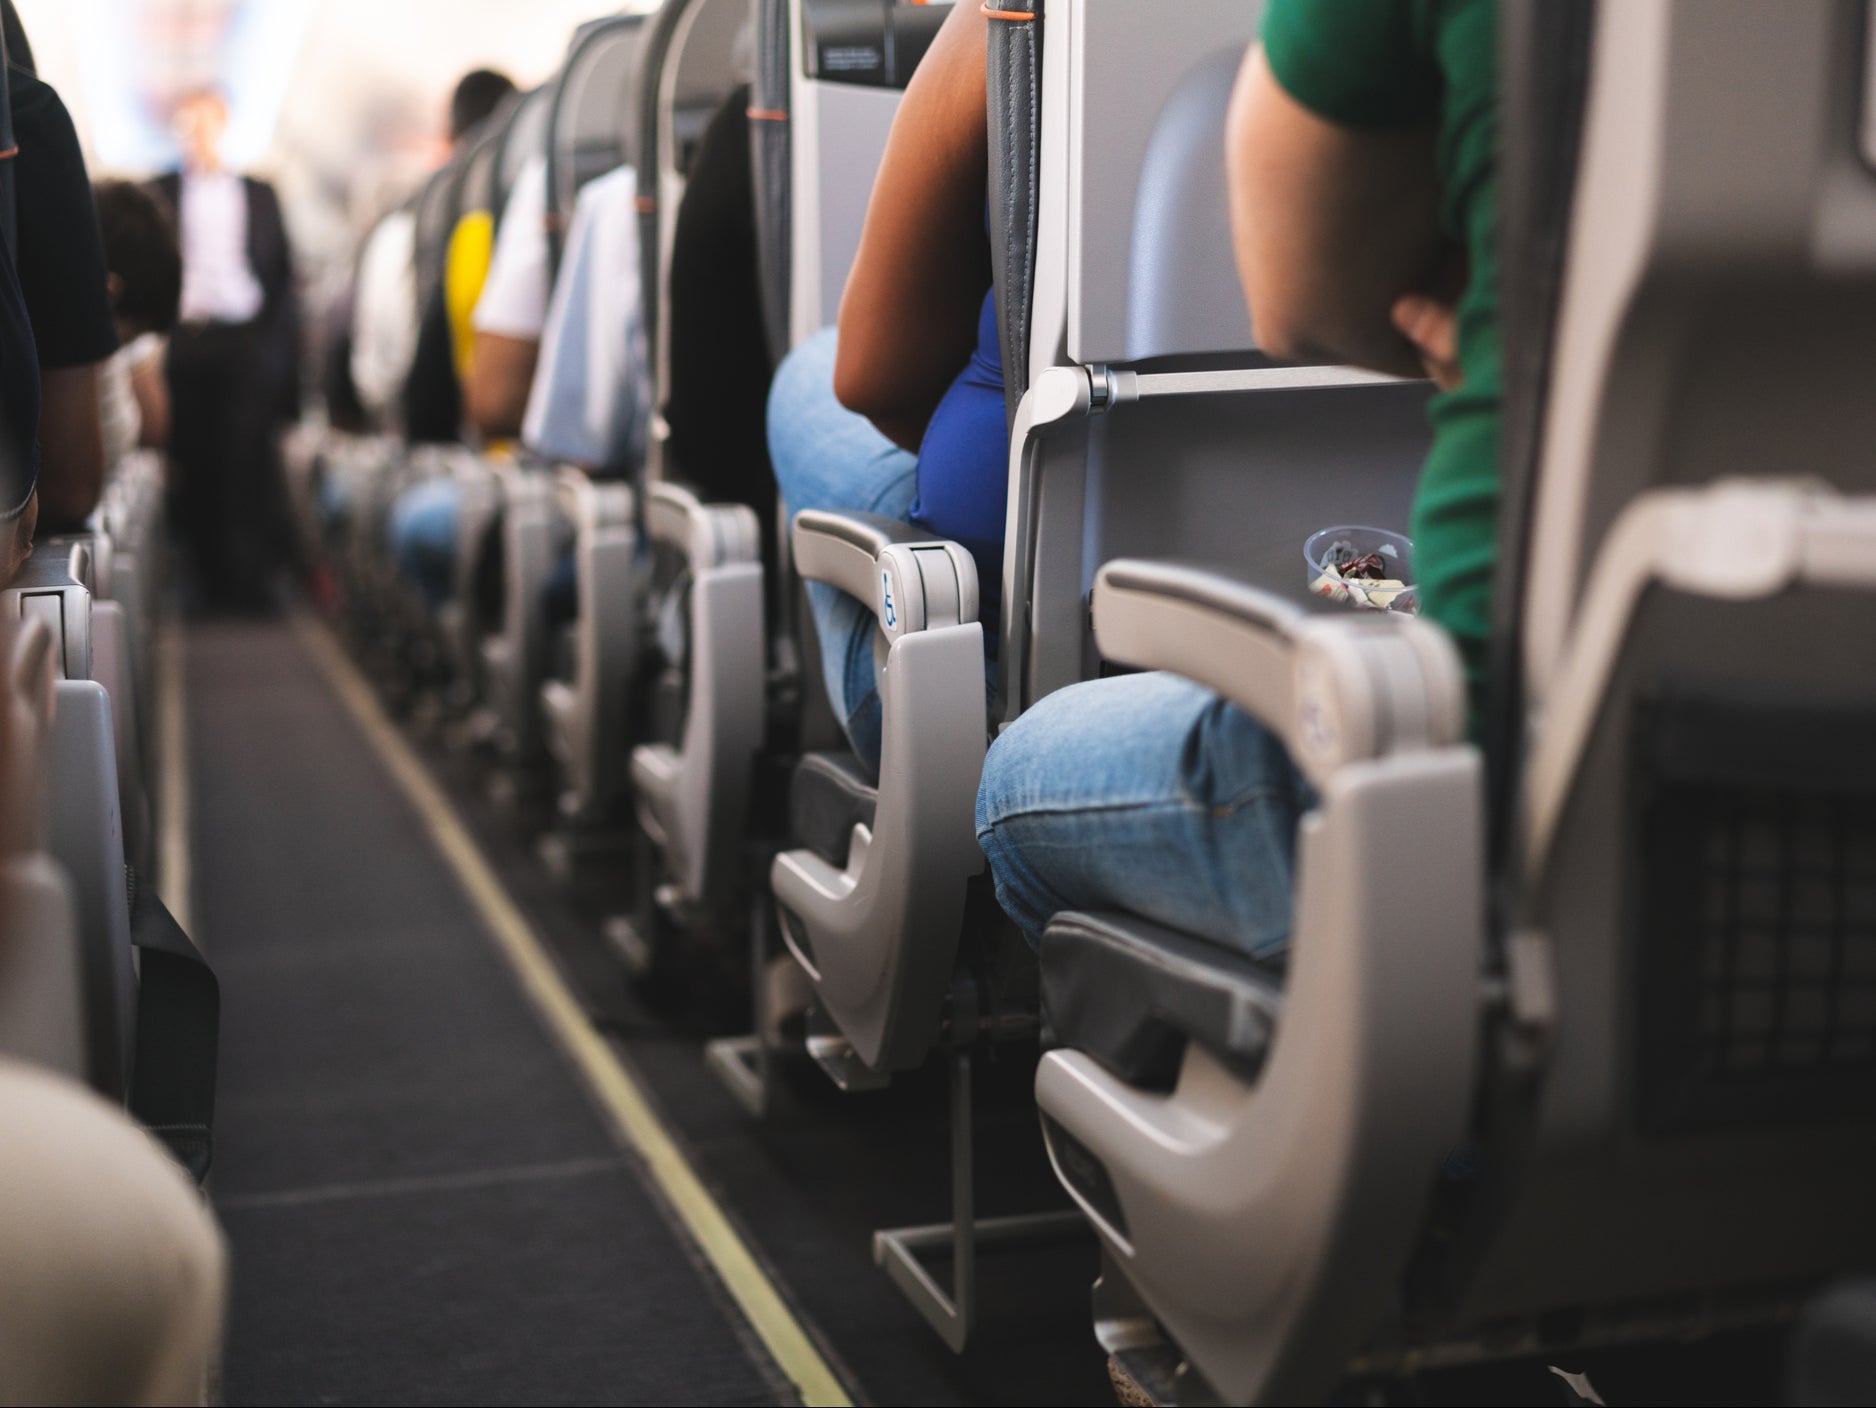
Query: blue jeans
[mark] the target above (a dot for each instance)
(422, 533)
(1149, 794)
(826, 457)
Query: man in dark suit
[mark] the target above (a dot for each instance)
(233, 366)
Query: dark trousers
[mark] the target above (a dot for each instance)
(228, 499)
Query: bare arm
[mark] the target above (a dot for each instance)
(1333, 226)
(908, 318)
(71, 438)
(16, 541)
(501, 373)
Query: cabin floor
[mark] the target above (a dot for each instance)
(425, 1198)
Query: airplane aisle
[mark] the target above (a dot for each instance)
(423, 1204)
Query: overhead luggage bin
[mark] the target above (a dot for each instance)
(1663, 1024)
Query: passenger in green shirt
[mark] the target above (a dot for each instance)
(1360, 170)
(1392, 221)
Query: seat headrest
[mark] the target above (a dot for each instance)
(1182, 278)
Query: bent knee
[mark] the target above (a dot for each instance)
(1093, 744)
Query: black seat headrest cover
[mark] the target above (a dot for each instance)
(770, 143)
(1015, 94)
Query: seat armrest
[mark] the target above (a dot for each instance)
(708, 535)
(592, 505)
(909, 579)
(1335, 689)
(45, 590)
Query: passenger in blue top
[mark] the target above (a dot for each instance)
(964, 462)
(900, 411)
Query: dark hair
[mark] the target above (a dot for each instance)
(141, 249)
(477, 95)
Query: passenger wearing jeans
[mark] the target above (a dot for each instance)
(1148, 793)
(902, 413)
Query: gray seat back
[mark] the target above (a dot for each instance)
(696, 56)
(854, 62)
(435, 220)
(1162, 430)
(42, 1014)
(485, 158)
(81, 809)
(1694, 931)
(589, 124)
(524, 140)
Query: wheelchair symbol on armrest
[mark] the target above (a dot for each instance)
(888, 610)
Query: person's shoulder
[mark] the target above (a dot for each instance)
(30, 96)
(1359, 63)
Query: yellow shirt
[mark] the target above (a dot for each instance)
(465, 270)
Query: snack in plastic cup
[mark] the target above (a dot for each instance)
(1331, 550)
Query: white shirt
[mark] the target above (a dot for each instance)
(217, 283)
(514, 299)
(384, 313)
(118, 410)
(591, 399)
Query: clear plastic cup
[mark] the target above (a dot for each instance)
(1348, 540)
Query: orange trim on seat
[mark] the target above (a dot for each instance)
(645, 205)
(9, 153)
(765, 115)
(1014, 16)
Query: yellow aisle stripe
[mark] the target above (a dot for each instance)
(175, 874)
(768, 1314)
